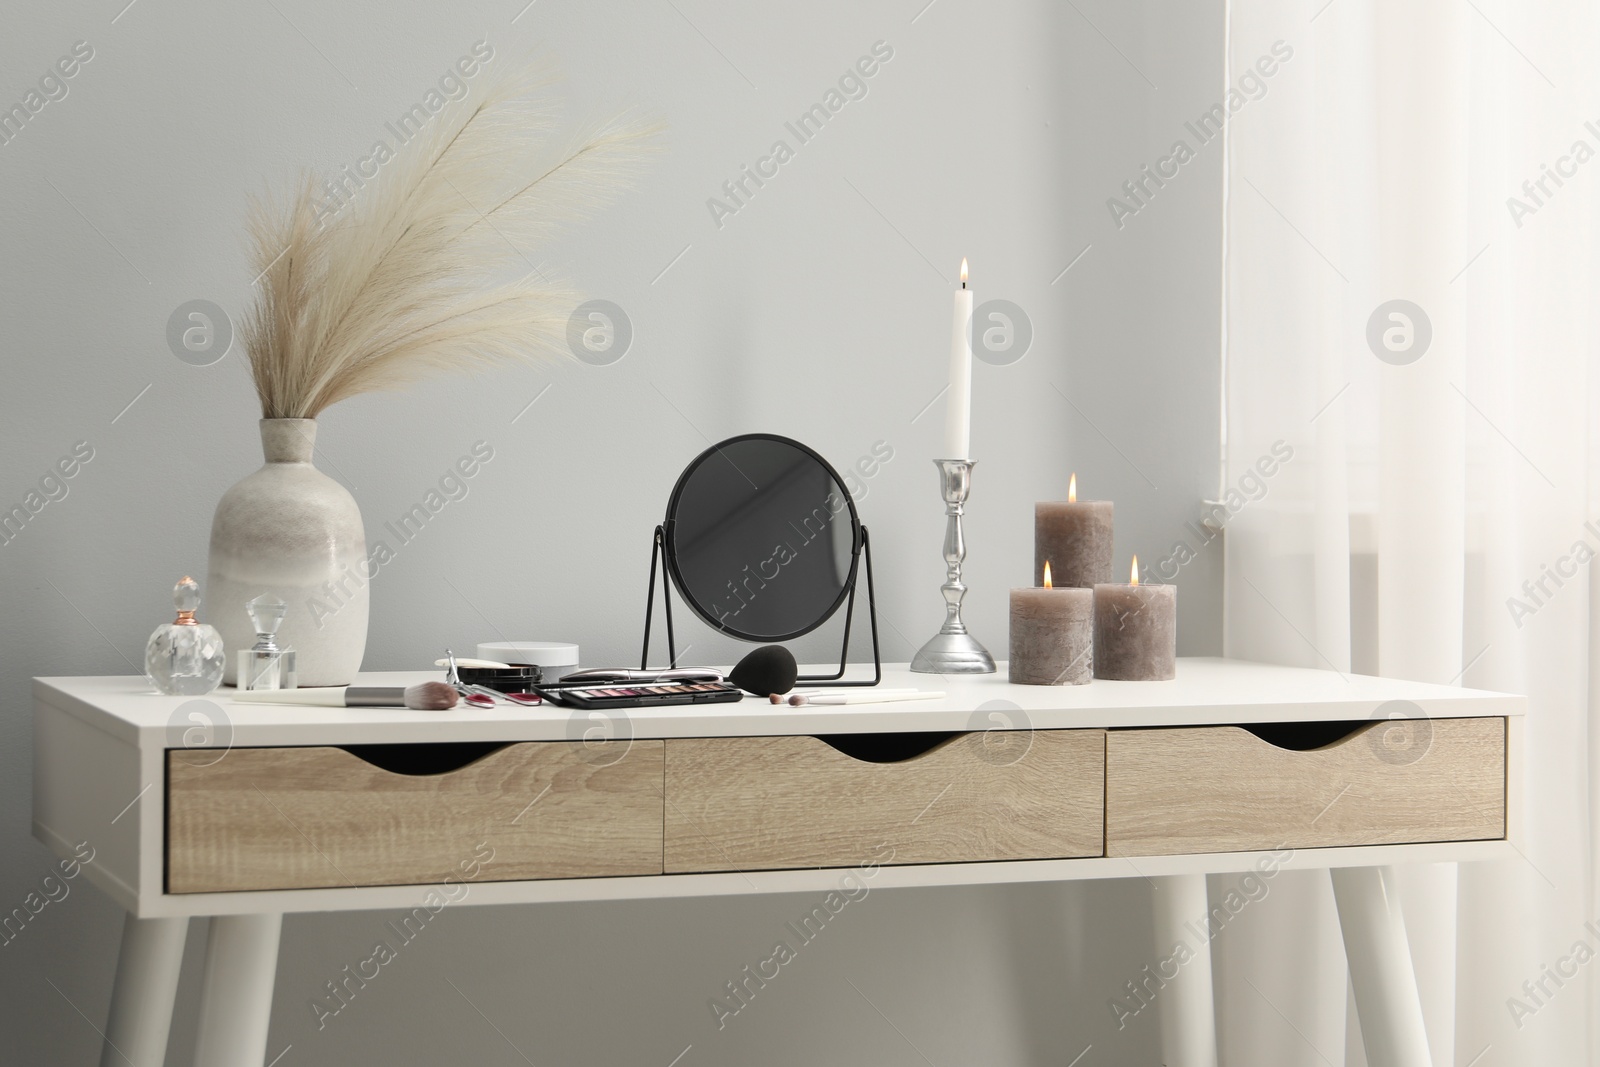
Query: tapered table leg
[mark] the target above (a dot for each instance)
(1381, 975)
(146, 985)
(1185, 1008)
(236, 1001)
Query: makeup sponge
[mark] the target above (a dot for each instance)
(769, 669)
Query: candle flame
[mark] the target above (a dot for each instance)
(1047, 584)
(1072, 489)
(963, 272)
(1134, 579)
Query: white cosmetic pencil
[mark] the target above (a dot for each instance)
(826, 699)
(425, 696)
(881, 691)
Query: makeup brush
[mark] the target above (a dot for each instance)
(800, 700)
(877, 693)
(424, 696)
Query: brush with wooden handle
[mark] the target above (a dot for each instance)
(424, 696)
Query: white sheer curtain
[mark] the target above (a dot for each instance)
(1424, 490)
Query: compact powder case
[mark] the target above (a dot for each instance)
(518, 679)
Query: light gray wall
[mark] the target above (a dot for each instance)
(820, 310)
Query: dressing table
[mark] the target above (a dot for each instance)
(243, 813)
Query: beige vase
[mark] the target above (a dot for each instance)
(292, 531)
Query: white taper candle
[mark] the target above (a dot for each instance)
(958, 402)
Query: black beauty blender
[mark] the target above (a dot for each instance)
(769, 669)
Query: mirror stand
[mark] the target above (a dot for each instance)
(658, 555)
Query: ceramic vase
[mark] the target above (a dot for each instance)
(293, 532)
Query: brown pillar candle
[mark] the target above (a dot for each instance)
(1052, 635)
(1075, 536)
(1135, 631)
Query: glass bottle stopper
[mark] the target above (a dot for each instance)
(266, 615)
(266, 666)
(186, 598)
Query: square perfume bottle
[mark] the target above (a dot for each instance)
(266, 666)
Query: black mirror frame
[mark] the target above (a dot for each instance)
(860, 550)
(670, 547)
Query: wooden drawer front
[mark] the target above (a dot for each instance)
(301, 818)
(770, 803)
(1223, 789)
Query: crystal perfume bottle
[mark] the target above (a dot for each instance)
(266, 666)
(184, 657)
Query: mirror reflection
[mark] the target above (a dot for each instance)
(761, 536)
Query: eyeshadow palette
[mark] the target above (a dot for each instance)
(639, 695)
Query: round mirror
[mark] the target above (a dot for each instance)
(762, 538)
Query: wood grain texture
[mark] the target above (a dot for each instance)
(774, 803)
(1221, 789)
(299, 818)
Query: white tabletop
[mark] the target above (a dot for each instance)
(1206, 691)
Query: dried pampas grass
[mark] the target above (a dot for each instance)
(407, 279)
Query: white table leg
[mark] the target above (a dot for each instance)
(141, 1000)
(236, 1000)
(1381, 975)
(1184, 1005)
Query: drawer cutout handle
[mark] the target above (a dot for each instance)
(425, 759)
(887, 748)
(1307, 736)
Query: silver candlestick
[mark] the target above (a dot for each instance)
(953, 650)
